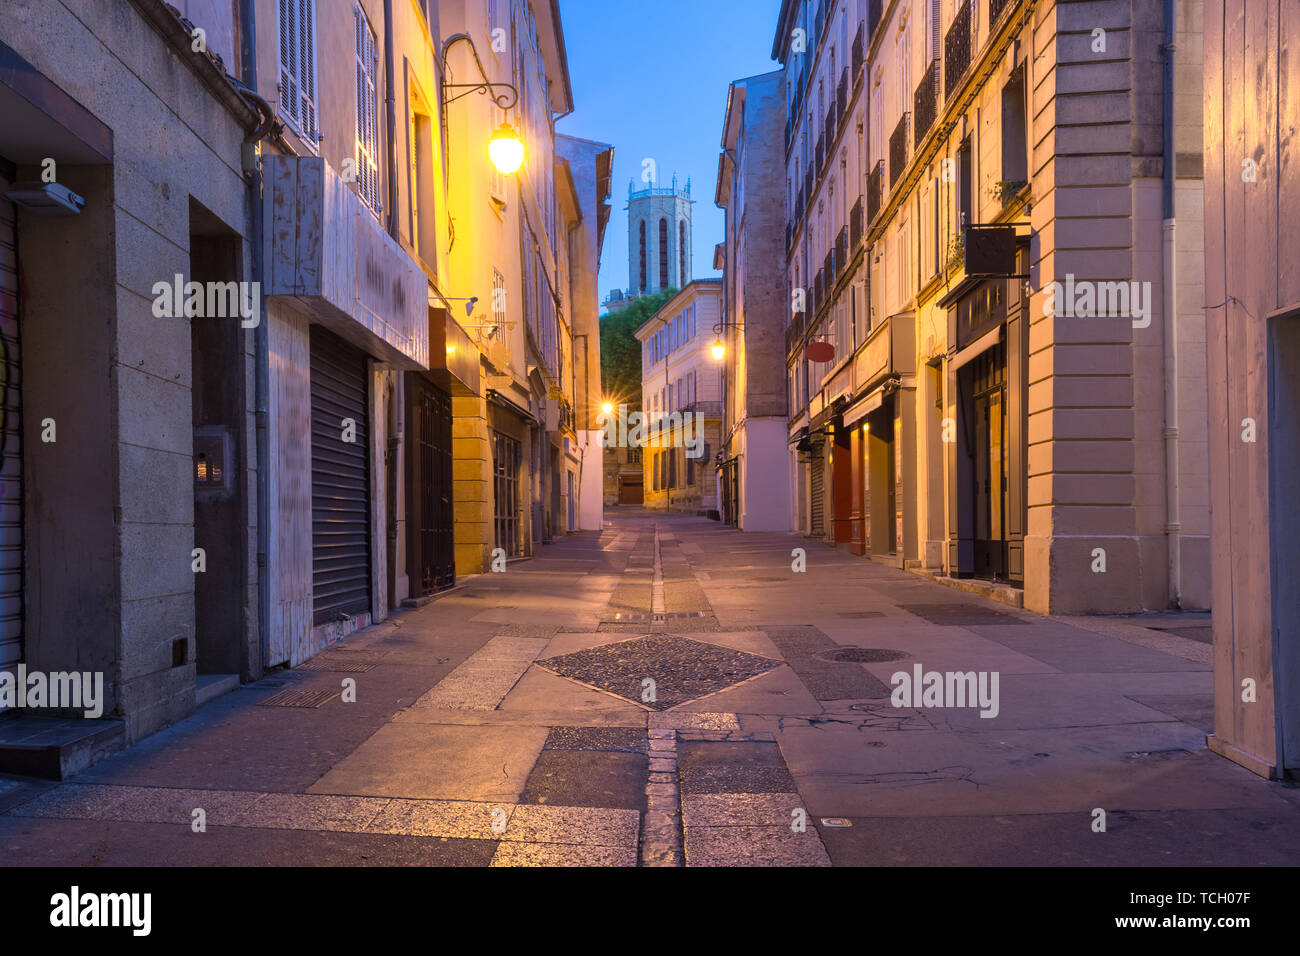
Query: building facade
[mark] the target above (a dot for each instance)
(755, 472)
(994, 277)
(681, 398)
(147, 572)
(1253, 333)
(348, 358)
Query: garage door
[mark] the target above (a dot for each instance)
(340, 478)
(11, 462)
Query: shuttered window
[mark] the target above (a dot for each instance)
(367, 111)
(298, 66)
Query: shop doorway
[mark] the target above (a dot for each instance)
(987, 461)
(430, 535)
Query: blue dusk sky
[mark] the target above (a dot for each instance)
(650, 78)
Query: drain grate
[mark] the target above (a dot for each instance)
(339, 666)
(299, 697)
(862, 655)
(860, 615)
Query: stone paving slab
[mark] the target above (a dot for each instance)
(552, 854)
(441, 818)
(754, 846)
(740, 809)
(434, 761)
(574, 825)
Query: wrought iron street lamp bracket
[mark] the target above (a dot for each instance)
(504, 100)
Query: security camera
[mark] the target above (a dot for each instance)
(469, 306)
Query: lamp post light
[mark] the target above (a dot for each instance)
(505, 148)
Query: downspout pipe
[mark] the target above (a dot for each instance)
(390, 119)
(397, 392)
(1169, 308)
(261, 343)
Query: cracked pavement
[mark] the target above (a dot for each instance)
(503, 725)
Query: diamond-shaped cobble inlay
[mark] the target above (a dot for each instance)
(682, 670)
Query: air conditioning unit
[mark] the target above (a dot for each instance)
(48, 199)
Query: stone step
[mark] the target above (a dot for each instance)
(208, 687)
(54, 748)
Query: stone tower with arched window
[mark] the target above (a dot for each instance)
(658, 238)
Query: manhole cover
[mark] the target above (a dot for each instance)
(862, 655)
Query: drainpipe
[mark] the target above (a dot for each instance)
(261, 340)
(1173, 537)
(397, 394)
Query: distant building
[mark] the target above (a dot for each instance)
(679, 378)
(624, 483)
(658, 238)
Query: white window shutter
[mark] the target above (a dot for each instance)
(288, 59)
(307, 66)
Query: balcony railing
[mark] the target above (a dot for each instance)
(956, 50)
(875, 190)
(855, 224)
(819, 291)
(798, 208)
(841, 251)
(808, 185)
(859, 52)
(842, 98)
(828, 130)
(819, 23)
(926, 103)
(875, 9)
(829, 268)
(995, 9)
(820, 154)
(898, 150)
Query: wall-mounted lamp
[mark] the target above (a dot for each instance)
(505, 148)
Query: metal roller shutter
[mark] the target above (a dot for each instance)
(818, 494)
(11, 461)
(340, 478)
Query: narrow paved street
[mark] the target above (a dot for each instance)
(671, 692)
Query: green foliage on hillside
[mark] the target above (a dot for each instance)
(620, 352)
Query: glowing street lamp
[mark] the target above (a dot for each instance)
(506, 150)
(719, 351)
(607, 408)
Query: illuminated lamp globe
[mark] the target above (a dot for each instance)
(719, 351)
(506, 150)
